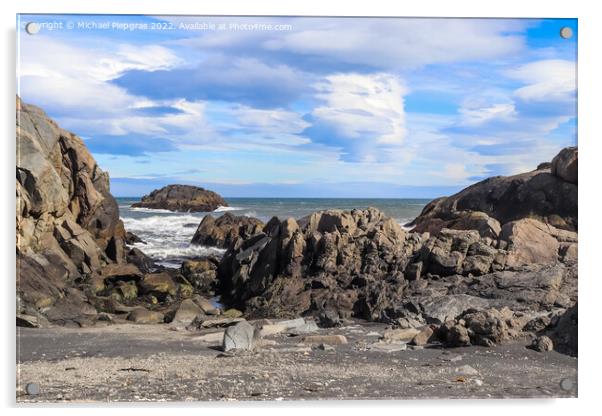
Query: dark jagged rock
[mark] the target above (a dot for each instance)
(141, 260)
(182, 198)
(565, 333)
(131, 238)
(351, 262)
(201, 273)
(548, 194)
(222, 231)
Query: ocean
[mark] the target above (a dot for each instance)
(167, 234)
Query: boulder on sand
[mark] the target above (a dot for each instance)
(144, 316)
(186, 312)
(182, 198)
(242, 336)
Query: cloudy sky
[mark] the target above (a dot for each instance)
(350, 107)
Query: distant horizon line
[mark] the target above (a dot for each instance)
(297, 197)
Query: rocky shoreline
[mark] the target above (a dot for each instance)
(494, 265)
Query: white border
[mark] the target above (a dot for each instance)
(590, 33)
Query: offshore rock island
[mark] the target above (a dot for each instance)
(476, 297)
(183, 198)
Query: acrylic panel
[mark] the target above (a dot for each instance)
(295, 208)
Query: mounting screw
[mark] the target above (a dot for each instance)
(567, 384)
(32, 28)
(566, 32)
(33, 389)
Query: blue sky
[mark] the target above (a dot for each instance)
(349, 107)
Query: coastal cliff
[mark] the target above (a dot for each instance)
(73, 265)
(68, 223)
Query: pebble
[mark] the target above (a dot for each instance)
(467, 370)
(326, 347)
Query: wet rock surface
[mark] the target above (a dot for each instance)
(182, 198)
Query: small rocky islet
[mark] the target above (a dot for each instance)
(494, 265)
(182, 198)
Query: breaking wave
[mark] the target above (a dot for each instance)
(150, 210)
(167, 237)
(224, 209)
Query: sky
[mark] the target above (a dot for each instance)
(305, 107)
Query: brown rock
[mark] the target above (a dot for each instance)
(542, 344)
(182, 198)
(114, 272)
(160, 283)
(406, 334)
(224, 230)
(68, 224)
(144, 316)
(205, 305)
(564, 165)
(549, 196)
(325, 339)
(530, 242)
(186, 312)
(297, 266)
(423, 337)
(454, 334)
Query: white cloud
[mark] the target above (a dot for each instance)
(363, 107)
(402, 43)
(480, 115)
(48, 57)
(375, 42)
(547, 80)
(68, 78)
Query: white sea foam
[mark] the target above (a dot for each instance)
(150, 210)
(165, 252)
(164, 225)
(224, 209)
(167, 237)
(402, 223)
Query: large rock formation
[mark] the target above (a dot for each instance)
(222, 232)
(481, 275)
(547, 194)
(71, 255)
(182, 198)
(351, 262)
(68, 223)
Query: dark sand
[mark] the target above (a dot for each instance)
(155, 363)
